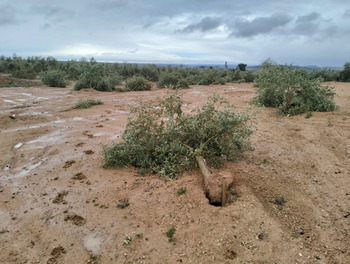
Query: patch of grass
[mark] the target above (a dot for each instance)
(127, 240)
(123, 204)
(181, 191)
(308, 114)
(171, 233)
(87, 103)
(280, 201)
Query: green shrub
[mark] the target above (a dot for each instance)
(161, 138)
(182, 84)
(54, 78)
(98, 77)
(345, 73)
(25, 73)
(137, 83)
(150, 72)
(172, 80)
(237, 76)
(291, 90)
(87, 103)
(249, 76)
(168, 80)
(326, 75)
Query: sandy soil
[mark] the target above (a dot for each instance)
(57, 205)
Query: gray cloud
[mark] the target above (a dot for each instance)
(346, 14)
(7, 15)
(206, 24)
(308, 18)
(192, 27)
(109, 4)
(45, 26)
(261, 25)
(55, 13)
(307, 24)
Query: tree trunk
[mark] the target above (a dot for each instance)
(215, 186)
(203, 167)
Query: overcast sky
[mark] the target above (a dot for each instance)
(295, 32)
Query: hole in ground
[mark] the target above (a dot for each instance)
(231, 197)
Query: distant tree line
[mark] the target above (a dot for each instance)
(127, 76)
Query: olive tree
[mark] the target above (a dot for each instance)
(161, 138)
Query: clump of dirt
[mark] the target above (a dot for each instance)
(76, 219)
(68, 164)
(60, 198)
(123, 204)
(89, 152)
(88, 134)
(79, 176)
(56, 253)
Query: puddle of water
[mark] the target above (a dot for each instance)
(36, 113)
(59, 121)
(93, 244)
(26, 94)
(19, 145)
(100, 134)
(25, 127)
(122, 112)
(51, 138)
(42, 98)
(9, 101)
(78, 119)
(25, 171)
(232, 88)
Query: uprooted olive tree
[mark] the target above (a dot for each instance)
(292, 91)
(162, 138)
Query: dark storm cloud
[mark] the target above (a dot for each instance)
(206, 24)
(261, 25)
(307, 25)
(7, 14)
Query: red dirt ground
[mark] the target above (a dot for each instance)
(57, 205)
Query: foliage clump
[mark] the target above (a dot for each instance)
(98, 77)
(345, 73)
(291, 90)
(25, 73)
(87, 103)
(172, 80)
(137, 83)
(54, 78)
(161, 138)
